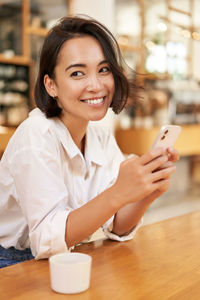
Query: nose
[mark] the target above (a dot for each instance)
(94, 83)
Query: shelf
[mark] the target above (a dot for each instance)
(37, 31)
(17, 59)
(131, 48)
(190, 28)
(181, 11)
(152, 76)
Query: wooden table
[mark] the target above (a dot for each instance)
(161, 262)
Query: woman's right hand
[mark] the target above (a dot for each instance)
(140, 176)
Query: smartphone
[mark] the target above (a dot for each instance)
(167, 136)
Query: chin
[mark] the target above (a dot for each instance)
(97, 118)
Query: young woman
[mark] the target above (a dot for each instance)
(62, 178)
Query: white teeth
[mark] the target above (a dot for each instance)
(95, 101)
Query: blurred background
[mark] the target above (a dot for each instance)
(159, 39)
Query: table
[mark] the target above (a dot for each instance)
(161, 262)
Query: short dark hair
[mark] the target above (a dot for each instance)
(66, 29)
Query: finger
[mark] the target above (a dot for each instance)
(157, 163)
(165, 165)
(151, 155)
(163, 174)
(162, 185)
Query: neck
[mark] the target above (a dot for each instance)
(77, 129)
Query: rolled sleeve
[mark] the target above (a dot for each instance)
(52, 240)
(108, 227)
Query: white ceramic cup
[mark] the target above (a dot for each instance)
(70, 272)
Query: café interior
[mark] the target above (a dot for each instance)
(160, 40)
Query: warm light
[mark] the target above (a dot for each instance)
(196, 35)
(186, 33)
(149, 45)
(162, 26)
(123, 40)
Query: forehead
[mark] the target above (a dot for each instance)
(81, 49)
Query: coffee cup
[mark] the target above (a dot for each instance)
(70, 272)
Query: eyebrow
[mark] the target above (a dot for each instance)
(84, 65)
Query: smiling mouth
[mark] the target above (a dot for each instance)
(94, 101)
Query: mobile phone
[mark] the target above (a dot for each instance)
(167, 136)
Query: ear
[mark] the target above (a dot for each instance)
(50, 86)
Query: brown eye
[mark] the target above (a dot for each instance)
(163, 137)
(166, 131)
(104, 70)
(76, 74)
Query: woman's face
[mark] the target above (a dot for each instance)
(84, 84)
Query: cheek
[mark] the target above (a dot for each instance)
(76, 91)
(70, 89)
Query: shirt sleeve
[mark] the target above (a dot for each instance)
(108, 226)
(43, 198)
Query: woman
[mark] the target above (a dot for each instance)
(62, 178)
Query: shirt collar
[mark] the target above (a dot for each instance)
(93, 147)
(66, 139)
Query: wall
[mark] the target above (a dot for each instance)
(102, 10)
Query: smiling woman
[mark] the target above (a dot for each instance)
(83, 84)
(110, 52)
(61, 178)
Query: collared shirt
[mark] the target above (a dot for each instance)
(44, 176)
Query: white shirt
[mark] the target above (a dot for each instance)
(44, 176)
